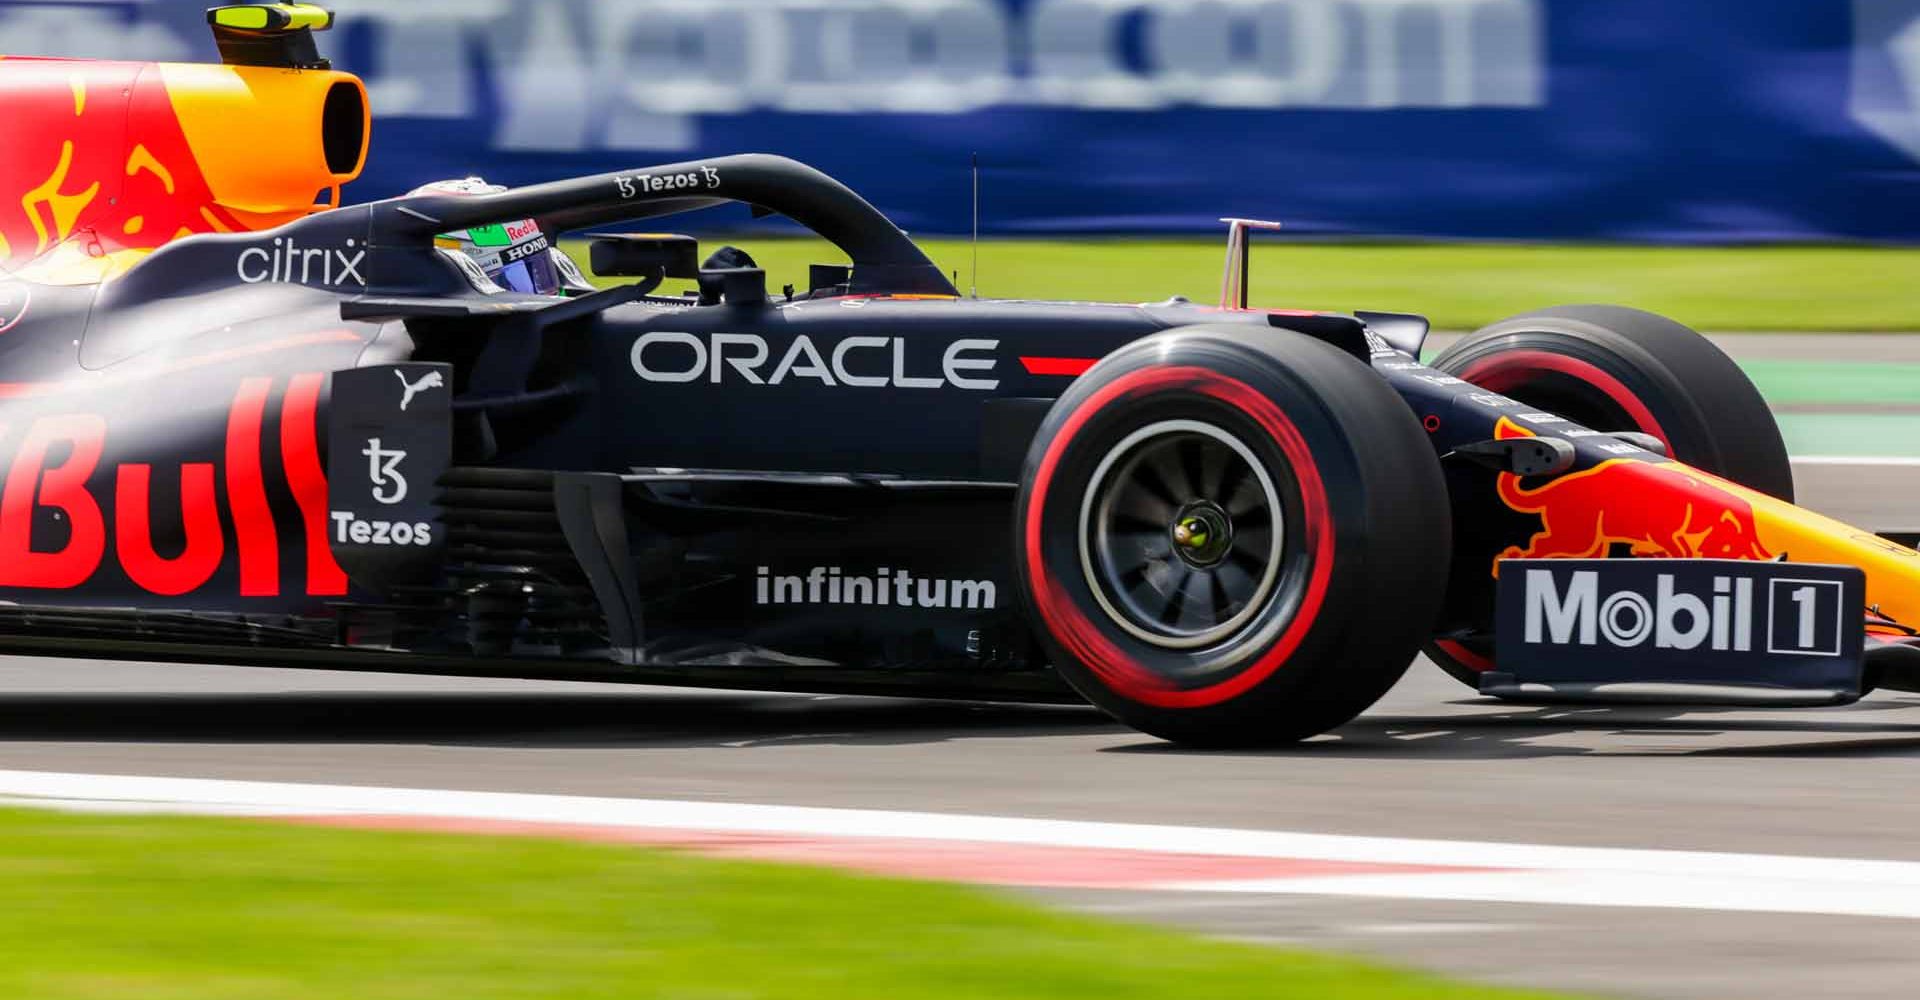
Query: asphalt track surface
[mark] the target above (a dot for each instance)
(1431, 761)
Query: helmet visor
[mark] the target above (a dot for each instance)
(516, 255)
(534, 274)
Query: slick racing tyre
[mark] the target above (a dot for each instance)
(1231, 536)
(1612, 368)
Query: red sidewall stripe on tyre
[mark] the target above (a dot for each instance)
(1503, 370)
(1464, 656)
(1083, 639)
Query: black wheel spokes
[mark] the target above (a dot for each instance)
(1220, 600)
(1233, 476)
(1152, 480)
(1254, 520)
(1165, 465)
(1245, 500)
(1237, 582)
(1146, 546)
(1142, 509)
(1186, 538)
(1192, 462)
(1175, 607)
(1245, 558)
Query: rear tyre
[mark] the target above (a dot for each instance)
(1229, 536)
(1617, 369)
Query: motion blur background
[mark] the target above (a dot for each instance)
(1740, 165)
(1639, 120)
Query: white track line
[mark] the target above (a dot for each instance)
(1532, 873)
(1757, 893)
(1882, 461)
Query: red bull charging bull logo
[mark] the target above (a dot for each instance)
(102, 157)
(105, 161)
(1654, 509)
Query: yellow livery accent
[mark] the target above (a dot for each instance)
(244, 18)
(271, 17)
(64, 208)
(140, 159)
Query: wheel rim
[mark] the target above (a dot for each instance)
(1181, 534)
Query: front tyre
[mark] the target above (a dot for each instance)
(1231, 536)
(1610, 368)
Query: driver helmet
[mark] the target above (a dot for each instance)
(517, 256)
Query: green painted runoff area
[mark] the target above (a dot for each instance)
(1793, 387)
(112, 907)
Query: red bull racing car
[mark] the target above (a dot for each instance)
(240, 426)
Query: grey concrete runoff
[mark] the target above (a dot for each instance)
(1432, 760)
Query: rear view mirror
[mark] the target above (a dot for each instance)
(828, 277)
(641, 255)
(736, 286)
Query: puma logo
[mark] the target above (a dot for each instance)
(408, 390)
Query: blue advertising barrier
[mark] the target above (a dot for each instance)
(1649, 120)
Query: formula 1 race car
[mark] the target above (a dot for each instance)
(241, 427)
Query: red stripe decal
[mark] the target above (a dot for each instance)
(1039, 865)
(300, 451)
(1057, 366)
(247, 492)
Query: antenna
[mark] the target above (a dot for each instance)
(973, 284)
(1233, 285)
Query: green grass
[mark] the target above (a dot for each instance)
(1457, 286)
(129, 908)
(1791, 382)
